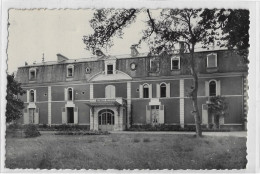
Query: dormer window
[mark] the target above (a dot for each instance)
(175, 63)
(154, 65)
(110, 66)
(32, 74)
(70, 71)
(212, 60)
(110, 69)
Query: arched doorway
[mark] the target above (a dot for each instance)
(106, 119)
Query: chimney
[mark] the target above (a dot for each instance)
(61, 58)
(134, 51)
(182, 47)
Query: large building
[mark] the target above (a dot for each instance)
(115, 92)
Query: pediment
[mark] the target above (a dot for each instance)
(118, 75)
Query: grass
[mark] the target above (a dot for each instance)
(126, 151)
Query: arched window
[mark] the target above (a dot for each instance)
(212, 88)
(70, 94)
(32, 96)
(106, 117)
(163, 90)
(110, 91)
(145, 91)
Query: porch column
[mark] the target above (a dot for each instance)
(128, 114)
(182, 103)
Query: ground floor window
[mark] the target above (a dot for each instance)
(106, 117)
(70, 114)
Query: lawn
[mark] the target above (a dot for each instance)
(126, 151)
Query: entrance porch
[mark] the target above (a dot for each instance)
(107, 114)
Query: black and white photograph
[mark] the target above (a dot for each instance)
(130, 88)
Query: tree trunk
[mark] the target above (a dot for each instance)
(194, 95)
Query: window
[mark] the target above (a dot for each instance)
(145, 91)
(70, 94)
(32, 74)
(212, 88)
(106, 117)
(70, 71)
(212, 60)
(154, 65)
(163, 90)
(175, 63)
(110, 69)
(31, 95)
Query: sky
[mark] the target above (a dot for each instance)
(34, 32)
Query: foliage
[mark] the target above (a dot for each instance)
(234, 25)
(31, 131)
(67, 132)
(14, 105)
(218, 106)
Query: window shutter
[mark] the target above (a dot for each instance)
(141, 91)
(168, 90)
(66, 94)
(218, 88)
(150, 91)
(26, 116)
(76, 118)
(35, 95)
(36, 116)
(64, 116)
(206, 88)
(28, 95)
(158, 90)
(148, 114)
(161, 114)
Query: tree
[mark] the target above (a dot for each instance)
(217, 107)
(162, 34)
(14, 104)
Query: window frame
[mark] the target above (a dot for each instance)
(165, 86)
(30, 76)
(32, 91)
(111, 71)
(68, 94)
(216, 60)
(147, 88)
(156, 60)
(179, 64)
(72, 71)
(215, 88)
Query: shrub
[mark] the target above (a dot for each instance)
(136, 140)
(31, 131)
(146, 140)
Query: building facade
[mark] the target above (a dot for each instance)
(115, 92)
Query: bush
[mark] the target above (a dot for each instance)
(14, 126)
(71, 132)
(31, 131)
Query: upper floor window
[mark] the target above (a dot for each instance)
(163, 90)
(110, 69)
(175, 63)
(32, 93)
(110, 66)
(212, 88)
(70, 94)
(154, 65)
(145, 91)
(70, 71)
(32, 74)
(212, 60)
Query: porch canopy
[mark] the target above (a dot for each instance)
(106, 102)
